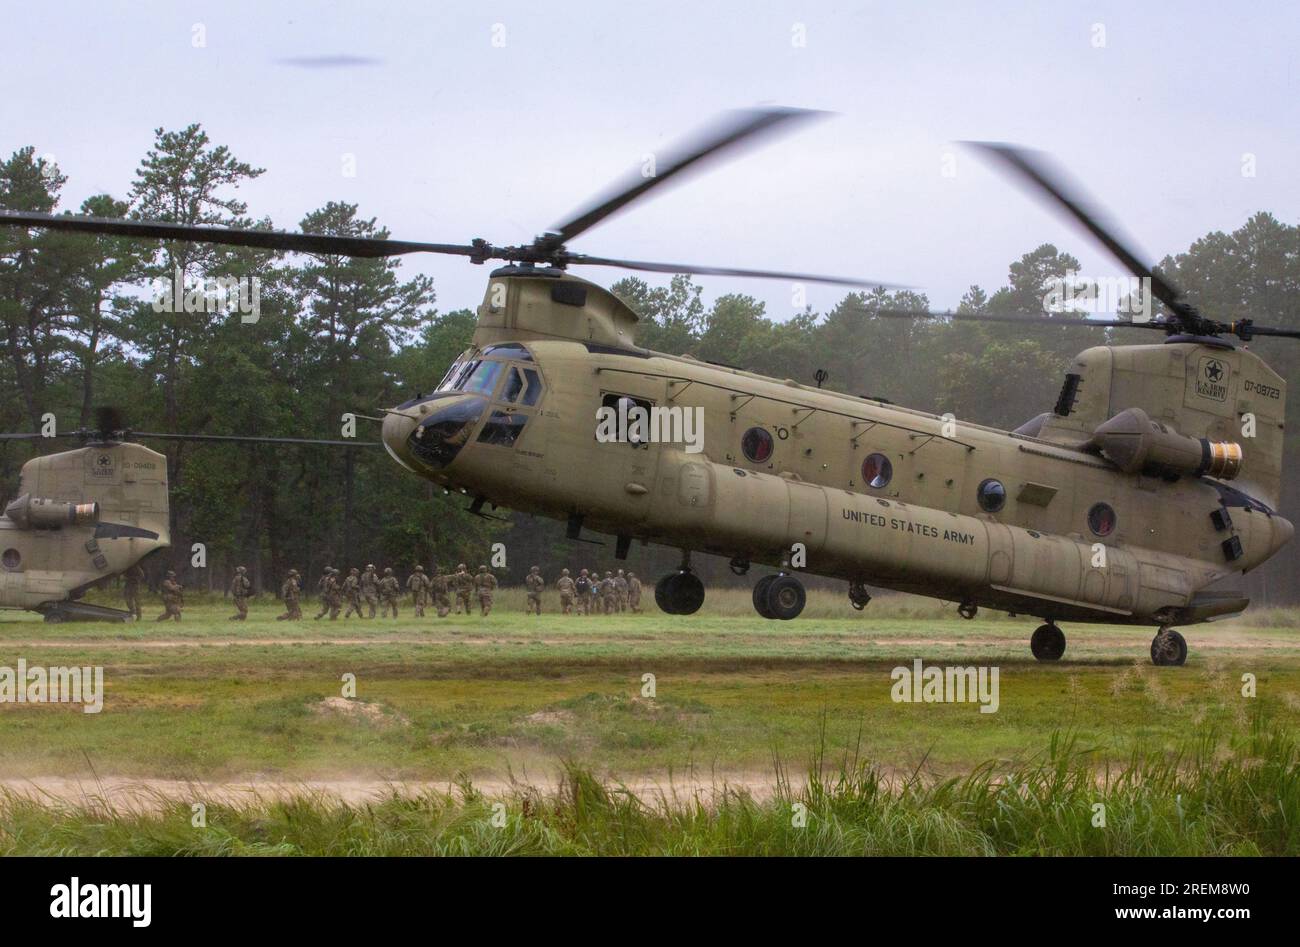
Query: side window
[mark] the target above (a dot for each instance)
(532, 387)
(523, 386)
(629, 420)
(514, 385)
(502, 429)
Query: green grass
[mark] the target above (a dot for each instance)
(556, 704)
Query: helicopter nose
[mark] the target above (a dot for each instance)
(396, 433)
(1283, 530)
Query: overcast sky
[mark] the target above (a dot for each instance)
(1152, 105)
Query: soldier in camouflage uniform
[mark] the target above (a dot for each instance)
(594, 601)
(289, 592)
(620, 591)
(131, 580)
(390, 590)
(610, 593)
(566, 587)
(463, 583)
(332, 597)
(485, 584)
(370, 588)
(439, 586)
(239, 589)
(582, 588)
(351, 592)
(534, 583)
(321, 585)
(634, 593)
(173, 598)
(418, 586)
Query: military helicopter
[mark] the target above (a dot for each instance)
(1123, 504)
(85, 515)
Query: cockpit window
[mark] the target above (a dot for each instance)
(502, 429)
(509, 350)
(514, 385)
(523, 386)
(449, 379)
(483, 379)
(439, 438)
(533, 387)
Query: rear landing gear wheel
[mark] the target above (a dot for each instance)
(1047, 643)
(1168, 648)
(53, 618)
(785, 597)
(760, 596)
(679, 593)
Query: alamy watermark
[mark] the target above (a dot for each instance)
(1087, 295)
(946, 685)
(631, 423)
(53, 685)
(211, 294)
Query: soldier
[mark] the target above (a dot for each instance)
(609, 593)
(593, 594)
(320, 586)
(173, 598)
(534, 583)
(463, 583)
(485, 584)
(390, 590)
(370, 588)
(566, 587)
(351, 592)
(331, 597)
(289, 592)
(582, 588)
(620, 591)
(418, 586)
(239, 589)
(439, 586)
(634, 593)
(131, 580)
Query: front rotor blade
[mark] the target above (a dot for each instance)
(247, 439)
(1028, 318)
(369, 247)
(726, 133)
(1034, 169)
(583, 259)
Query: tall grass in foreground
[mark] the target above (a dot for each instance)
(1215, 797)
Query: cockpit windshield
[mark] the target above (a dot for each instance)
(482, 378)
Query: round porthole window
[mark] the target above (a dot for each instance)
(877, 471)
(12, 559)
(1101, 519)
(757, 445)
(992, 495)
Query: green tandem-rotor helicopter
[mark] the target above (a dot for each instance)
(1125, 503)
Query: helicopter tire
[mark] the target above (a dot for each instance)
(53, 618)
(687, 592)
(785, 597)
(1168, 648)
(1047, 643)
(663, 597)
(760, 596)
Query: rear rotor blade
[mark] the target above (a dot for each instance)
(369, 247)
(1034, 168)
(218, 438)
(1027, 318)
(725, 134)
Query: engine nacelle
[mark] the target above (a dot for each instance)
(29, 512)
(1133, 442)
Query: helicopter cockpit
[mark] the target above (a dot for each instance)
(500, 375)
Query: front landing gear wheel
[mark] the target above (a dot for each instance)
(760, 596)
(1047, 643)
(679, 593)
(785, 597)
(1168, 648)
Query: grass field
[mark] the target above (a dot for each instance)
(552, 716)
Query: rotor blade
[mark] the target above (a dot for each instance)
(369, 247)
(583, 259)
(248, 439)
(1013, 318)
(20, 437)
(1035, 169)
(724, 135)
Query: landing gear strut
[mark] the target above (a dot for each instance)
(1047, 642)
(779, 597)
(680, 592)
(1168, 648)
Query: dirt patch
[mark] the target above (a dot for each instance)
(551, 718)
(358, 710)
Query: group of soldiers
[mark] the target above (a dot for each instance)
(363, 592)
(589, 593)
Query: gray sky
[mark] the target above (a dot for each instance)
(454, 137)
